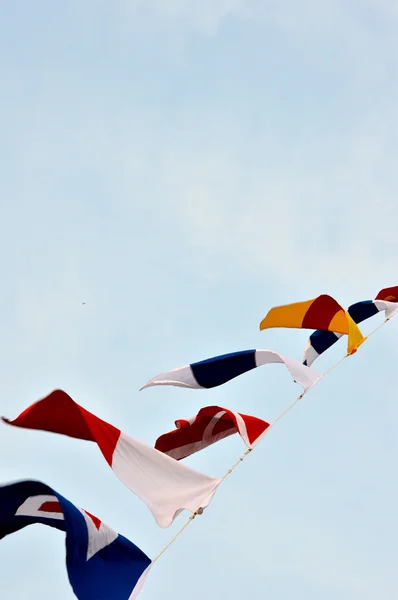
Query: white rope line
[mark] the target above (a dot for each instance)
(199, 510)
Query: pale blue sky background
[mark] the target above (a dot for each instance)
(182, 166)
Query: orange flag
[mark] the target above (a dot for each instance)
(323, 312)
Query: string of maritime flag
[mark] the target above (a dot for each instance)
(103, 564)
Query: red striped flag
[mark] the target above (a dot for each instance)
(211, 424)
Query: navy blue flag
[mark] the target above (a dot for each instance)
(101, 564)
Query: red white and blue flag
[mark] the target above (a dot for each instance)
(210, 425)
(101, 563)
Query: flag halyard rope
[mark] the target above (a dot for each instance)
(200, 510)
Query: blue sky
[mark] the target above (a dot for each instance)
(181, 167)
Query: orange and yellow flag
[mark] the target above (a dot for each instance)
(323, 312)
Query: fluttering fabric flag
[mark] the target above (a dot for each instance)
(218, 370)
(388, 294)
(164, 485)
(320, 341)
(101, 563)
(323, 312)
(211, 424)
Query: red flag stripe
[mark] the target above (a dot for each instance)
(322, 311)
(97, 522)
(53, 507)
(58, 413)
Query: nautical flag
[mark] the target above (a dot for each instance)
(165, 486)
(321, 340)
(217, 370)
(389, 294)
(210, 425)
(101, 563)
(322, 312)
